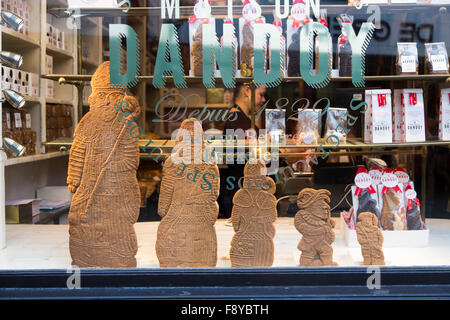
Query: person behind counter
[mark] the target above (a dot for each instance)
(242, 107)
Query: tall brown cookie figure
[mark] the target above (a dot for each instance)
(187, 204)
(370, 238)
(102, 174)
(313, 221)
(253, 215)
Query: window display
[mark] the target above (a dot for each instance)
(225, 135)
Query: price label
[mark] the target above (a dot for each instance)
(375, 175)
(408, 63)
(251, 11)
(28, 121)
(363, 180)
(410, 194)
(17, 120)
(202, 10)
(438, 62)
(8, 120)
(389, 180)
(298, 11)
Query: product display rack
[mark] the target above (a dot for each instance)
(34, 48)
(353, 147)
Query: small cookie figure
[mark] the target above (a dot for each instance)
(370, 238)
(313, 221)
(253, 215)
(186, 235)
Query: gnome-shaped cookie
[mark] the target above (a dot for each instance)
(313, 221)
(253, 215)
(102, 174)
(187, 203)
(370, 238)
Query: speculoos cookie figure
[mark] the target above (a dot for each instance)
(390, 211)
(313, 221)
(253, 215)
(102, 174)
(197, 52)
(186, 235)
(370, 238)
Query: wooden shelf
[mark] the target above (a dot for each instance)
(190, 79)
(59, 101)
(351, 144)
(58, 53)
(17, 39)
(37, 157)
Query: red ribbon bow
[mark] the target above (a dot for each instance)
(298, 1)
(386, 189)
(401, 99)
(246, 2)
(324, 22)
(410, 201)
(342, 39)
(382, 100)
(413, 98)
(359, 190)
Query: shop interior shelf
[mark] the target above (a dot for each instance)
(191, 79)
(36, 157)
(217, 11)
(51, 49)
(350, 144)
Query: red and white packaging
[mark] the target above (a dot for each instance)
(444, 115)
(200, 17)
(378, 117)
(376, 174)
(414, 115)
(389, 180)
(363, 181)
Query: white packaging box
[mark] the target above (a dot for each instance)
(397, 117)
(6, 78)
(48, 64)
(25, 83)
(26, 18)
(21, 81)
(368, 117)
(392, 239)
(33, 84)
(8, 4)
(49, 33)
(50, 88)
(55, 36)
(60, 38)
(444, 115)
(15, 7)
(414, 115)
(380, 130)
(15, 81)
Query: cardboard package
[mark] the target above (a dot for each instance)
(378, 117)
(444, 115)
(21, 211)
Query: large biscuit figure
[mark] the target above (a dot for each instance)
(102, 174)
(253, 215)
(313, 221)
(187, 204)
(370, 238)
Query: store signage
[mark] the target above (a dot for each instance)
(169, 60)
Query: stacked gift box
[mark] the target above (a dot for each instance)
(59, 123)
(16, 124)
